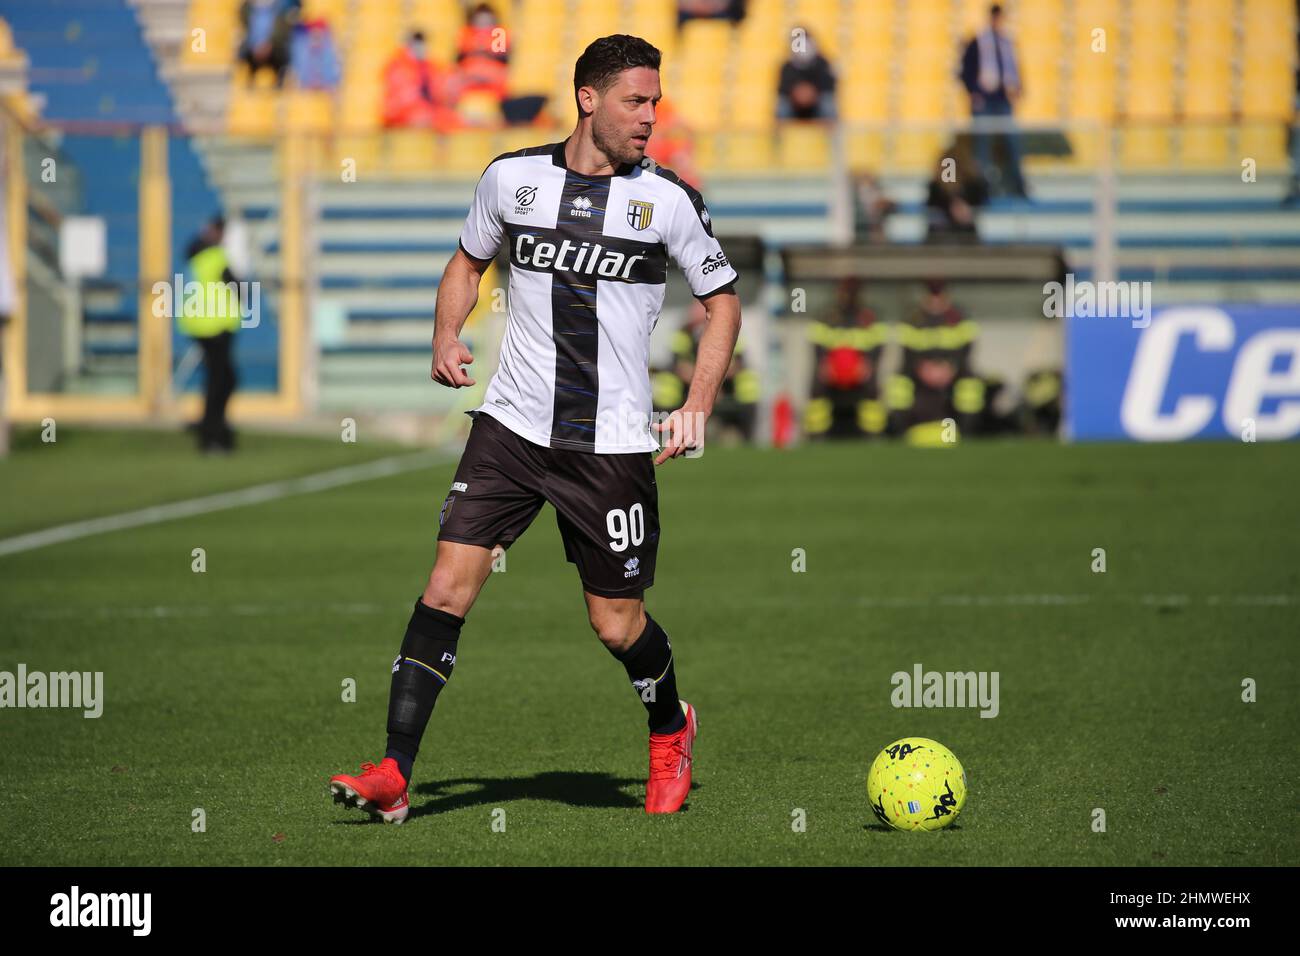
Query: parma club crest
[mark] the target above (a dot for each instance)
(639, 213)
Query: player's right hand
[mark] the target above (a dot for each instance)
(448, 358)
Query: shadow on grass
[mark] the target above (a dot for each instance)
(882, 828)
(573, 788)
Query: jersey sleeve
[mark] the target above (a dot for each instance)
(691, 243)
(481, 236)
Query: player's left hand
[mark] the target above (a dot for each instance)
(681, 432)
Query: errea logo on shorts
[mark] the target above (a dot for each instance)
(633, 566)
(459, 486)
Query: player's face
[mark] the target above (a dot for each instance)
(624, 117)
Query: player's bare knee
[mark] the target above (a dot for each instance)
(617, 630)
(445, 593)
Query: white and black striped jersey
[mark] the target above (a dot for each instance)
(588, 260)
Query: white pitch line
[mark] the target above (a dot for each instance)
(257, 494)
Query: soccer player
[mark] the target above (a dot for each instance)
(589, 224)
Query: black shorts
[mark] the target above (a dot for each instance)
(606, 506)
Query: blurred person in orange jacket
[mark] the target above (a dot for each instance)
(416, 92)
(483, 53)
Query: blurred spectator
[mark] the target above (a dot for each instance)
(313, 56)
(733, 10)
(871, 208)
(737, 404)
(671, 144)
(991, 74)
(845, 400)
(955, 190)
(806, 89)
(1041, 410)
(416, 92)
(483, 51)
(936, 381)
(268, 25)
(212, 320)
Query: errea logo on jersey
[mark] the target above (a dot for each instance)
(716, 261)
(581, 207)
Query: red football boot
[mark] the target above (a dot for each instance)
(670, 766)
(380, 791)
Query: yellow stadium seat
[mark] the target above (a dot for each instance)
(1145, 147)
(468, 151)
(412, 152)
(251, 113)
(1042, 97)
(1207, 95)
(803, 147)
(330, 10)
(1092, 94)
(308, 111)
(362, 150)
(1085, 149)
(753, 107)
(920, 103)
(1267, 91)
(516, 137)
(1266, 144)
(865, 97)
(1150, 95)
(701, 106)
(748, 151)
(866, 150)
(913, 151)
(1206, 146)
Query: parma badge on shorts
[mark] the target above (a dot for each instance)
(639, 213)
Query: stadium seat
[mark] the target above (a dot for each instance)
(866, 150)
(468, 151)
(308, 111)
(1206, 146)
(1266, 144)
(803, 147)
(1145, 147)
(746, 150)
(251, 113)
(913, 151)
(412, 152)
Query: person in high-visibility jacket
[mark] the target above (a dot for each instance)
(737, 403)
(212, 320)
(936, 396)
(845, 400)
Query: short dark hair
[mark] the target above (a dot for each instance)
(995, 10)
(604, 59)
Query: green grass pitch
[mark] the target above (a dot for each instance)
(223, 690)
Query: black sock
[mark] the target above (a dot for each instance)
(649, 663)
(422, 668)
